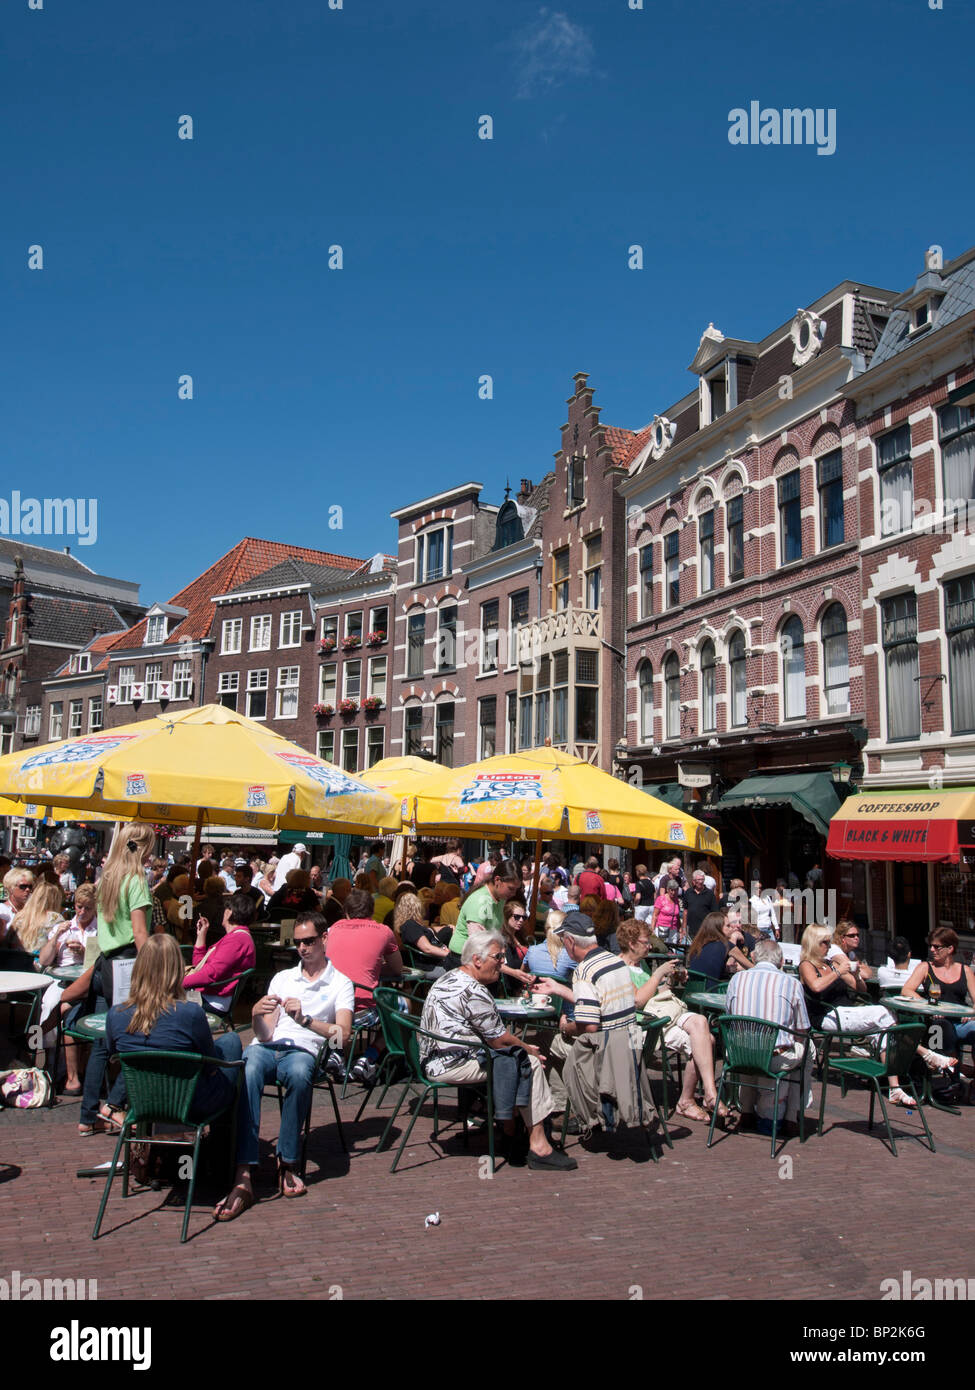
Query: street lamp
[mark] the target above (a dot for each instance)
(840, 773)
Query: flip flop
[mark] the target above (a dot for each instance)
(290, 1183)
(73, 1091)
(236, 1202)
(102, 1124)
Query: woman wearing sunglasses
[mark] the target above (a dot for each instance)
(517, 938)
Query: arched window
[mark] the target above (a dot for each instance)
(836, 660)
(508, 527)
(791, 643)
(705, 530)
(709, 718)
(739, 673)
(646, 702)
(672, 682)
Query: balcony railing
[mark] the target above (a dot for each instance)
(555, 629)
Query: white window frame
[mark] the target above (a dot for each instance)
(284, 686)
(75, 708)
(231, 636)
(32, 721)
(157, 624)
(94, 703)
(425, 573)
(328, 674)
(55, 726)
(255, 686)
(289, 627)
(228, 683)
(350, 739)
(126, 680)
(371, 688)
(182, 679)
(152, 682)
(375, 738)
(260, 632)
(325, 745)
(352, 669)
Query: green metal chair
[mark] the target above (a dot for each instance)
(227, 1017)
(395, 1055)
(653, 1028)
(749, 1045)
(704, 984)
(160, 1088)
(902, 1045)
(406, 1033)
(360, 1026)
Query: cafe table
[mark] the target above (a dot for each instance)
(707, 1001)
(22, 981)
(517, 1012)
(67, 974)
(90, 1027)
(921, 1008)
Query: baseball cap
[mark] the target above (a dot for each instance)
(576, 924)
(301, 849)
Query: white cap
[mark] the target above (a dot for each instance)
(301, 849)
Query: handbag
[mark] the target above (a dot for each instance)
(665, 1004)
(29, 1088)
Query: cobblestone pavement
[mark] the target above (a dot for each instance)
(827, 1220)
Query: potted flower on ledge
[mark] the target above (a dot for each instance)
(372, 705)
(326, 645)
(324, 711)
(349, 707)
(375, 639)
(349, 644)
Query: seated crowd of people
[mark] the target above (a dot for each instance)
(470, 931)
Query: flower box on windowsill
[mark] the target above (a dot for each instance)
(326, 646)
(324, 711)
(349, 644)
(372, 705)
(349, 707)
(375, 639)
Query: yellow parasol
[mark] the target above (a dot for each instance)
(554, 795)
(203, 764)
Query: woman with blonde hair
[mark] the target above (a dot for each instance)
(549, 957)
(157, 1015)
(411, 929)
(124, 913)
(44, 908)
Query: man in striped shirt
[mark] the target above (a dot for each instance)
(764, 992)
(601, 1044)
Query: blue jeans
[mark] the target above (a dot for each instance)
(98, 1057)
(295, 1069)
(511, 1079)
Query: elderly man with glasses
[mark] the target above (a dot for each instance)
(304, 1006)
(463, 1015)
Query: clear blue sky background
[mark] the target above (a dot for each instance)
(358, 126)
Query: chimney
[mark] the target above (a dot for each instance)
(526, 490)
(67, 550)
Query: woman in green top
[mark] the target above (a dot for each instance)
(484, 908)
(124, 913)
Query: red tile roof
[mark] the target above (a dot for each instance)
(248, 558)
(626, 444)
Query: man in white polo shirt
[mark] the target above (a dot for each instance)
(303, 1007)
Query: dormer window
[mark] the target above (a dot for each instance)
(156, 629)
(80, 664)
(575, 481)
(509, 528)
(717, 386)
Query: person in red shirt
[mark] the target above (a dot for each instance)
(363, 949)
(590, 880)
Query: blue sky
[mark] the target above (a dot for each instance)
(358, 127)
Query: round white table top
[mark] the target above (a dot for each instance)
(20, 981)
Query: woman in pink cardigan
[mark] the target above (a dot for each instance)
(232, 953)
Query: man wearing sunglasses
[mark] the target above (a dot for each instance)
(304, 1006)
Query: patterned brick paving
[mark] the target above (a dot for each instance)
(729, 1223)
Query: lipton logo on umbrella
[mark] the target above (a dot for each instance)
(675, 833)
(136, 784)
(593, 821)
(256, 796)
(83, 751)
(330, 779)
(502, 786)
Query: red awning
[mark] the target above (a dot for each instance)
(920, 826)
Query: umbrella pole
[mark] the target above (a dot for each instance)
(197, 837)
(535, 880)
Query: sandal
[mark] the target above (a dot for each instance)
(236, 1202)
(937, 1061)
(690, 1110)
(899, 1097)
(290, 1183)
(113, 1117)
(73, 1090)
(101, 1124)
(723, 1112)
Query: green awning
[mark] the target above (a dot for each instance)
(812, 794)
(671, 792)
(305, 837)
